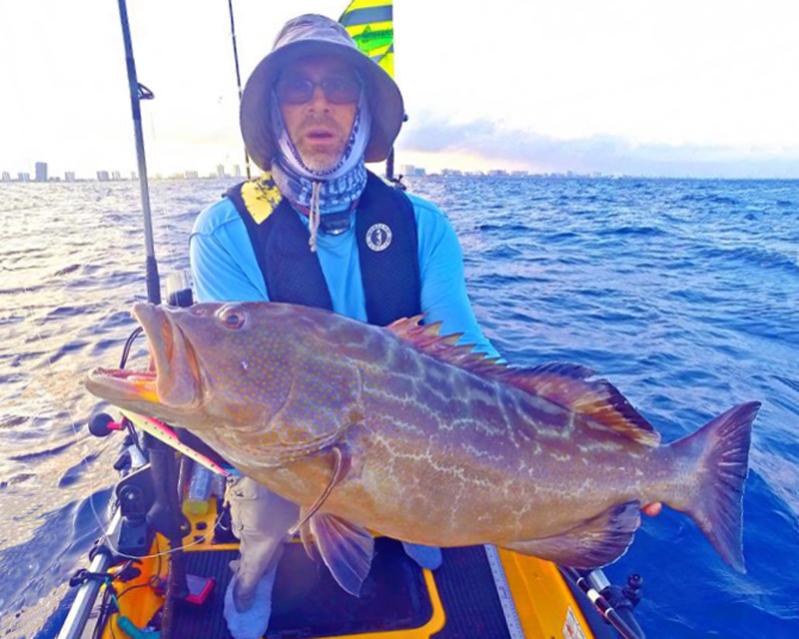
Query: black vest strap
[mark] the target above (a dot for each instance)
(385, 227)
(391, 280)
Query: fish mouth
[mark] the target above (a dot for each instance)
(173, 379)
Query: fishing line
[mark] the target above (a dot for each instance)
(87, 451)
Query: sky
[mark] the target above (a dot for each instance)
(680, 88)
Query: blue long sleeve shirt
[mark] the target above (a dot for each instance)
(224, 268)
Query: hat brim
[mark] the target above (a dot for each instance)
(385, 99)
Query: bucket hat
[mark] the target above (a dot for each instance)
(311, 35)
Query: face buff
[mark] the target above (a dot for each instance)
(333, 192)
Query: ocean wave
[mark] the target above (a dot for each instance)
(682, 292)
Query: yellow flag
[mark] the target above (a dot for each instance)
(371, 25)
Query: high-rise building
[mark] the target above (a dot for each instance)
(41, 171)
(236, 170)
(220, 170)
(133, 175)
(6, 176)
(409, 170)
(69, 176)
(191, 175)
(102, 176)
(116, 175)
(24, 177)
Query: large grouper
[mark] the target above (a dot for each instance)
(399, 431)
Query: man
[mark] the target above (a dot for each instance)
(318, 229)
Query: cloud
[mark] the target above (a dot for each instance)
(605, 154)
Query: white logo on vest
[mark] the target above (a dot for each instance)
(378, 237)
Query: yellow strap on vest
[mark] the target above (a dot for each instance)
(261, 197)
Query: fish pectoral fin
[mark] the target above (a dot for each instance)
(595, 542)
(341, 464)
(346, 549)
(307, 538)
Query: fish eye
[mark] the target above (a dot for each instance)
(232, 318)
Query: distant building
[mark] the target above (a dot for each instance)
(220, 170)
(6, 177)
(41, 171)
(134, 175)
(24, 177)
(116, 175)
(451, 173)
(519, 173)
(498, 173)
(191, 175)
(69, 176)
(409, 170)
(102, 176)
(236, 170)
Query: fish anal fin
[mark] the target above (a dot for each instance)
(346, 549)
(593, 543)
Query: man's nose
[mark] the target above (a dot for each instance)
(319, 99)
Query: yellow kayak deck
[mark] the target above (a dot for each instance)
(478, 592)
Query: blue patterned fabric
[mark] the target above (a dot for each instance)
(341, 185)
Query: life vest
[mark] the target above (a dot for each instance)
(385, 228)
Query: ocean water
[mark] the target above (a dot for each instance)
(685, 294)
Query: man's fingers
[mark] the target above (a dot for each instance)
(652, 509)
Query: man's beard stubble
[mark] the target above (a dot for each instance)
(319, 160)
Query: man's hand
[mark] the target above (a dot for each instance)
(652, 509)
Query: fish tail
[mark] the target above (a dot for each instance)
(714, 495)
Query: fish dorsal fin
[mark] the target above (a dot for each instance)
(427, 338)
(599, 400)
(563, 384)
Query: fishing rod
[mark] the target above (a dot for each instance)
(238, 74)
(616, 610)
(101, 556)
(163, 515)
(139, 92)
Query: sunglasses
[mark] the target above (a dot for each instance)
(298, 89)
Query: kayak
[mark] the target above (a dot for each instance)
(479, 591)
(161, 567)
